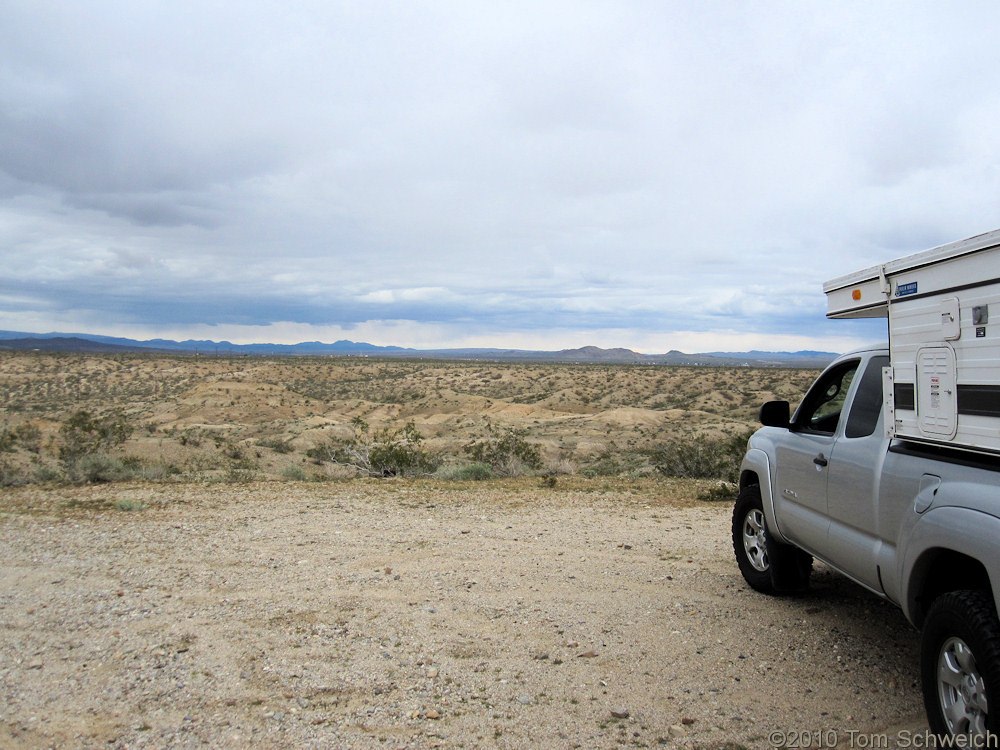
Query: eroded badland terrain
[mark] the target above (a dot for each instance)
(202, 418)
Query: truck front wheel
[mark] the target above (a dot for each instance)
(768, 566)
(960, 665)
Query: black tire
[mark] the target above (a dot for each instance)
(768, 566)
(960, 665)
(750, 539)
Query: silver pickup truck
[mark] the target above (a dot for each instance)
(917, 524)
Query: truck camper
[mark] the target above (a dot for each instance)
(889, 472)
(943, 384)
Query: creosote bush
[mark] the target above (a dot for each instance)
(84, 433)
(613, 463)
(723, 492)
(294, 474)
(84, 443)
(505, 451)
(129, 505)
(26, 436)
(99, 467)
(240, 472)
(277, 445)
(45, 473)
(465, 472)
(388, 452)
(10, 476)
(701, 457)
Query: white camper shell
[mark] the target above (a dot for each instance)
(943, 385)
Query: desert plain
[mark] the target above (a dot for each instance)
(224, 585)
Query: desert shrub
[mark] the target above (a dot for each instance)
(45, 473)
(294, 473)
(153, 471)
(701, 457)
(28, 436)
(84, 434)
(190, 437)
(241, 472)
(11, 476)
(277, 445)
(561, 467)
(387, 452)
(477, 471)
(96, 468)
(613, 464)
(505, 451)
(234, 451)
(602, 468)
(722, 492)
(129, 505)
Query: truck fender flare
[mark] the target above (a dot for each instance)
(947, 535)
(756, 468)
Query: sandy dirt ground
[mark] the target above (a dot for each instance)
(415, 615)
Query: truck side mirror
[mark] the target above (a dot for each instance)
(775, 414)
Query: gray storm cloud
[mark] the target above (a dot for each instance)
(499, 168)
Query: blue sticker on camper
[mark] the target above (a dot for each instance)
(904, 290)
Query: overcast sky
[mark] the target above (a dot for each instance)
(654, 175)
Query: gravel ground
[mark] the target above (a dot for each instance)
(403, 615)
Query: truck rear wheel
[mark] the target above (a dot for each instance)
(768, 566)
(960, 665)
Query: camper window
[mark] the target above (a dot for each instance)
(867, 404)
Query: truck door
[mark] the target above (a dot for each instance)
(852, 485)
(801, 472)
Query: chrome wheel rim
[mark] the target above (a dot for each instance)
(961, 690)
(755, 540)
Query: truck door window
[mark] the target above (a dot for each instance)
(867, 403)
(820, 409)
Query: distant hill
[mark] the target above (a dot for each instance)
(805, 358)
(64, 344)
(74, 342)
(771, 355)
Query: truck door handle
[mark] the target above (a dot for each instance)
(820, 460)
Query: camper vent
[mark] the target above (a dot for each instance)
(937, 410)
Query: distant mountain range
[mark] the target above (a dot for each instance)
(79, 342)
